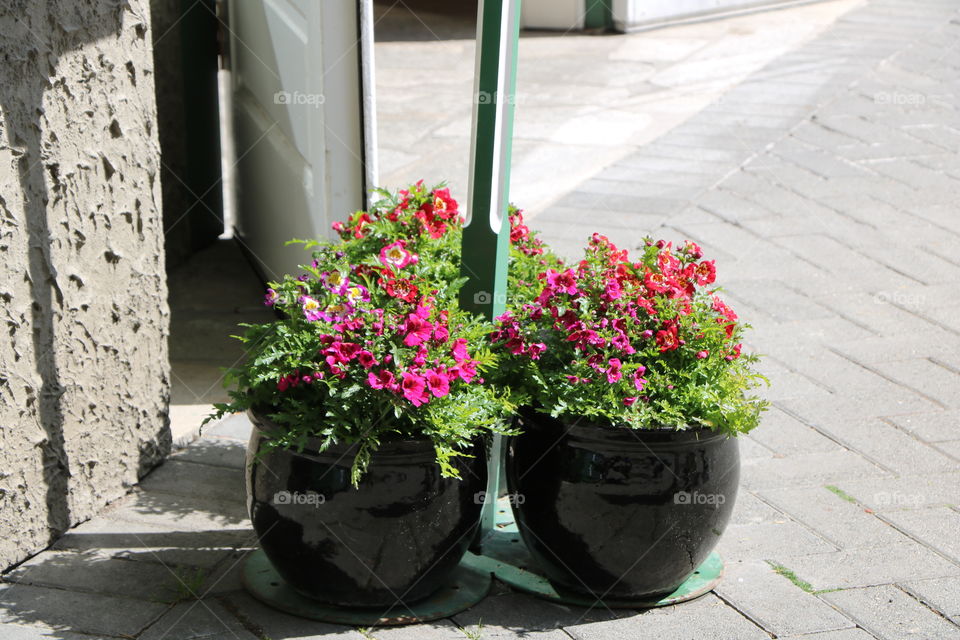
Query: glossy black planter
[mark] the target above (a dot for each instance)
(616, 512)
(398, 536)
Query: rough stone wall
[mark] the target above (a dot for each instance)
(84, 373)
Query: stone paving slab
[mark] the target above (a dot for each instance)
(19, 632)
(845, 634)
(834, 515)
(91, 574)
(868, 566)
(708, 614)
(776, 604)
(942, 594)
(197, 619)
(76, 611)
(890, 614)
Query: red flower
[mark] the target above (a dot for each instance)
(656, 282)
(359, 222)
(705, 272)
(401, 288)
(667, 339)
(444, 206)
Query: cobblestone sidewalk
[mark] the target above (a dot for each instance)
(826, 186)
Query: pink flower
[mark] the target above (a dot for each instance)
(421, 358)
(612, 291)
(515, 345)
(334, 281)
(628, 402)
(366, 359)
(311, 309)
(613, 370)
(441, 333)
(439, 383)
(535, 350)
(638, 380)
(702, 354)
(414, 388)
(693, 250)
(396, 256)
(565, 282)
(417, 330)
(459, 350)
(382, 380)
(466, 370)
(357, 293)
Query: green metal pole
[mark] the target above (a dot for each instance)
(486, 238)
(487, 235)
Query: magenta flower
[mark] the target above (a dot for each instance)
(613, 370)
(638, 380)
(366, 359)
(466, 370)
(535, 350)
(459, 350)
(382, 380)
(421, 358)
(439, 383)
(417, 330)
(565, 282)
(414, 388)
(270, 298)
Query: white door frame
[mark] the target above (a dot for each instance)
(305, 121)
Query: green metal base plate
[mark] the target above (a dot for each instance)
(507, 557)
(468, 585)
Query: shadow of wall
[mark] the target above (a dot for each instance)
(185, 63)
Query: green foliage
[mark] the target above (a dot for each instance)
(371, 343)
(646, 343)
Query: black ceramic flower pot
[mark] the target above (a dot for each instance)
(617, 512)
(397, 537)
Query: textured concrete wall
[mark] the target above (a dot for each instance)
(83, 362)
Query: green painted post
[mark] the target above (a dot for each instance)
(486, 238)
